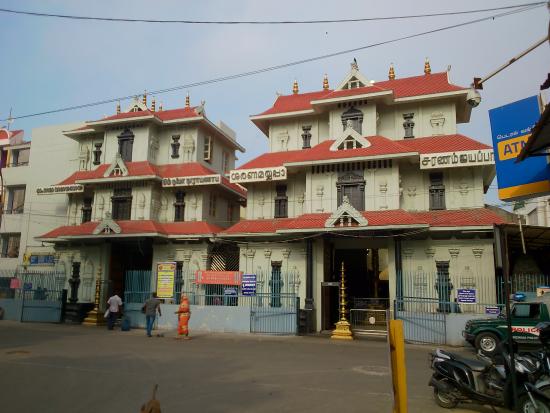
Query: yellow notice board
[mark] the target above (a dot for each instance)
(166, 274)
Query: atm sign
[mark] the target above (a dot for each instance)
(510, 149)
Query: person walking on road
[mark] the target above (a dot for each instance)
(151, 306)
(114, 302)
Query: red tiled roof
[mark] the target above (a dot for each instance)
(404, 87)
(420, 85)
(144, 168)
(138, 227)
(392, 218)
(164, 115)
(379, 146)
(443, 143)
(295, 103)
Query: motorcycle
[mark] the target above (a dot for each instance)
(459, 379)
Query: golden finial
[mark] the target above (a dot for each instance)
(325, 82)
(118, 108)
(144, 100)
(160, 107)
(295, 89)
(391, 74)
(427, 68)
(153, 104)
(187, 101)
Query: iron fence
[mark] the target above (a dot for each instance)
(373, 322)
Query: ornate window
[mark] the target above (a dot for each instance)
(230, 211)
(125, 145)
(207, 150)
(306, 137)
(87, 210)
(97, 153)
(352, 186)
(175, 146)
(408, 125)
(122, 203)
(275, 284)
(437, 191)
(281, 202)
(225, 161)
(179, 207)
(354, 118)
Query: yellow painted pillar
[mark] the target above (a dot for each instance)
(398, 368)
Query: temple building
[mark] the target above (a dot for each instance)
(147, 185)
(374, 176)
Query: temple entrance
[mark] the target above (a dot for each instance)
(128, 256)
(367, 285)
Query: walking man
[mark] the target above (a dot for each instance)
(151, 306)
(114, 302)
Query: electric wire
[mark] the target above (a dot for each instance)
(262, 22)
(276, 67)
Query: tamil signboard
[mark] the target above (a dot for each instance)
(41, 259)
(248, 284)
(457, 159)
(166, 275)
(511, 128)
(218, 277)
(466, 296)
(59, 189)
(192, 180)
(275, 173)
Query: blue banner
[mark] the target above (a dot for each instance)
(511, 128)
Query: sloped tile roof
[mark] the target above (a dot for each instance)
(401, 88)
(390, 218)
(379, 146)
(138, 227)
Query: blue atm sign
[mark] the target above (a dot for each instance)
(511, 128)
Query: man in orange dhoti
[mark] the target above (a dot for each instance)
(184, 314)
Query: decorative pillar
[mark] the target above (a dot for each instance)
(309, 274)
(74, 282)
(342, 330)
(407, 271)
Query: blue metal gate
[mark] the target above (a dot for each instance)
(274, 315)
(42, 305)
(422, 322)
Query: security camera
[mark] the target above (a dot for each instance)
(473, 98)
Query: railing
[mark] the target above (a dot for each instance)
(370, 322)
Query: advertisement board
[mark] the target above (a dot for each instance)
(166, 275)
(511, 128)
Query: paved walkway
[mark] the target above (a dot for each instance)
(60, 368)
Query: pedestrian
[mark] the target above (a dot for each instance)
(184, 314)
(151, 306)
(115, 303)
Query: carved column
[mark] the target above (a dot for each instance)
(74, 282)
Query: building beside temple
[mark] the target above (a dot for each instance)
(374, 175)
(26, 166)
(148, 185)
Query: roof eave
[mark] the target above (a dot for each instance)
(430, 96)
(352, 97)
(116, 179)
(352, 159)
(123, 120)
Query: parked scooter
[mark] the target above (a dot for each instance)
(458, 379)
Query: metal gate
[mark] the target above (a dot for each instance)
(42, 305)
(274, 314)
(422, 322)
(370, 322)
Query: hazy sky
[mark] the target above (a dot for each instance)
(50, 63)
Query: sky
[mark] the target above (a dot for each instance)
(51, 63)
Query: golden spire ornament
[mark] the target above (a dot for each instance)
(342, 330)
(187, 101)
(391, 73)
(295, 89)
(153, 104)
(427, 68)
(144, 100)
(325, 82)
(118, 108)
